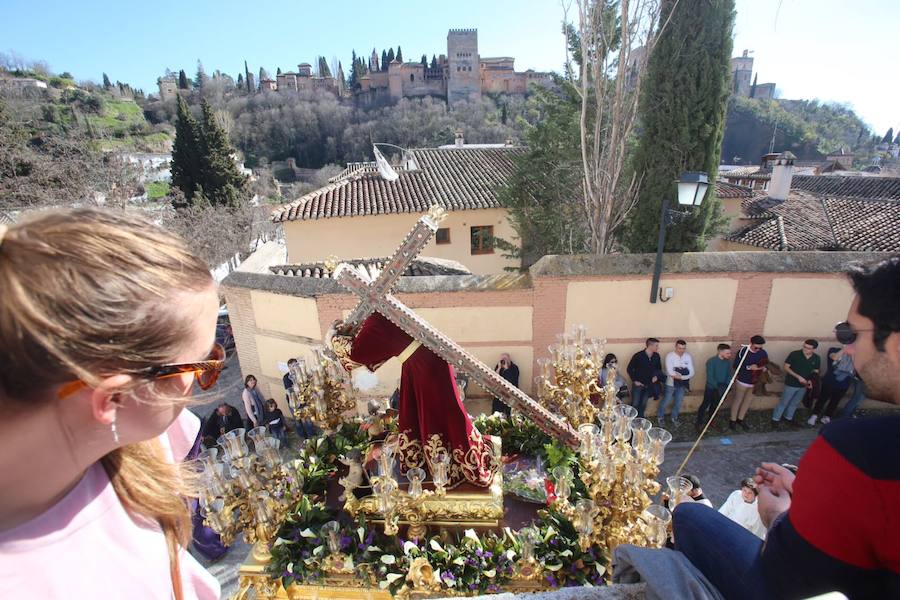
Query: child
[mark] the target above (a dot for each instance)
(274, 420)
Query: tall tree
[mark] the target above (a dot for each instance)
(753, 87)
(185, 168)
(223, 183)
(384, 60)
(434, 63)
(200, 79)
(182, 80)
(106, 82)
(247, 82)
(278, 71)
(888, 136)
(390, 59)
(240, 80)
(263, 74)
(608, 85)
(353, 77)
(424, 61)
(324, 69)
(897, 139)
(399, 54)
(683, 120)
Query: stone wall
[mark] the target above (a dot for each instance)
(718, 297)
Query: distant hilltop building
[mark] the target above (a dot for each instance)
(744, 81)
(304, 80)
(461, 74)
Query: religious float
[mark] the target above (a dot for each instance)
(419, 500)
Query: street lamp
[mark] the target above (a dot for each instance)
(691, 191)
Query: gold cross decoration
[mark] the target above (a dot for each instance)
(376, 296)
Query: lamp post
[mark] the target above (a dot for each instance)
(691, 191)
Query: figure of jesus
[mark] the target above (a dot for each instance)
(432, 416)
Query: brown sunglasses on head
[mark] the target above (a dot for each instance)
(206, 371)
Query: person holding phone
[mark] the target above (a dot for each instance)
(509, 371)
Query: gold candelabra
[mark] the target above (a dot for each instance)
(619, 455)
(568, 379)
(246, 491)
(321, 392)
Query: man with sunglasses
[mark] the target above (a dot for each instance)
(832, 526)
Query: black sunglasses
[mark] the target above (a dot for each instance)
(846, 334)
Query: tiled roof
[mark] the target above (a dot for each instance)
(725, 189)
(807, 221)
(457, 179)
(849, 186)
(420, 267)
(741, 172)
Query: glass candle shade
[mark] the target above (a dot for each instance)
(384, 489)
(588, 434)
(440, 468)
(256, 434)
(265, 512)
(585, 513)
(242, 469)
(546, 367)
(657, 518)
(528, 539)
(639, 429)
(215, 515)
(215, 479)
(332, 533)
(267, 448)
(624, 415)
(234, 444)
(678, 490)
(563, 482)
(208, 457)
(415, 477)
(658, 438)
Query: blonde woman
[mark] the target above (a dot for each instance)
(106, 323)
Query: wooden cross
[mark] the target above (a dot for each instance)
(376, 296)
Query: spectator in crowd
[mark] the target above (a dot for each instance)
(254, 403)
(753, 365)
(718, 374)
(741, 507)
(696, 492)
(274, 420)
(224, 419)
(304, 427)
(107, 321)
(509, 371)
(856, 398)
(799, 369)
(644, 369)
(833, 525)
(834, 385)
(610, 362)
(679, 370)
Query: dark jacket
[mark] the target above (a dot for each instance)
(216, 422)
(644, 368)
(511, 373)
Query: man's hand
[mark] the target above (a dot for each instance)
(638, 384)
(802, 381)
(753, 368)
(677, 376)
(654, 380)
(775, 477)
(771, 504)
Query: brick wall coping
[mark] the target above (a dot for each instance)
(312, 287)
(700, 262)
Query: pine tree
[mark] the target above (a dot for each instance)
(384, 60)
(106, 82)
(185, 169)
(223, 184)
(682, 112)
(399, 55)
(434, 64)
(200, 79)
(888, 136)
(182, 80)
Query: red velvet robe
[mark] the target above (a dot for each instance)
(432, 417)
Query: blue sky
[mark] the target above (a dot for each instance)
(825, 49)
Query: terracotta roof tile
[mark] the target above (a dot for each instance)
(724, 189)
(807, 221)
(849, 186)
(455, 178)
(420, 267)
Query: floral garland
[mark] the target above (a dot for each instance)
(466, 564)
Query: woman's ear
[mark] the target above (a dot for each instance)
(106, 397)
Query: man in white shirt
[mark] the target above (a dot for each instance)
(679, 370)
(741, 507)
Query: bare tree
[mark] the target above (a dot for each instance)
(615, 41)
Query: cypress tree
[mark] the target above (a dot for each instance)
(384, 60)
(247, 78)
(424, 61)
(182, 80)
(201, 78)
(262, 75)
(888, 136)
(682, 114)
(278, 71)
(353, 78)
(106, 82)
(390, 59)
(240, 80)
(753, 87)
(222, 182)
(897, 139)
(399, 54)
(185, 167)
(434, 64)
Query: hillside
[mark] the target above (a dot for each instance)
(807, 128)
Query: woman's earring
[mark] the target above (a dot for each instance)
(114, 432)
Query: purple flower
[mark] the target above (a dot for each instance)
(287, 574)
(488, 554)
(346, 540)
(448, 577)
(478, 552)
(554, 542)
(552, 581)
(493, 588)
(473, 586)
(305, 554)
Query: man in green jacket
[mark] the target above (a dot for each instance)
(718, 374)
